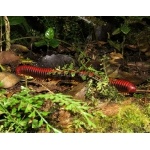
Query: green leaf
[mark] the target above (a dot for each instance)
(40, 123)
(115, 44)
(13, 111)
(28, 108)
(40, 43)
(17, 20)
(2, 110)
(73, 74)
(51, 97)
(47, 128)
(83, 77)
(1, 84)
(21, 105)
(23, 122)
(35, 123)
(54, 43)
(32, 115)
(49, 34)
(117, 31)
(44, 113)
(125, 29)
(39, 103)
(18, 115)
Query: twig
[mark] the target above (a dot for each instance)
(1, 34)
(7, 30)
(28, 37)
(86, 20)
(36, 82)
(142, 91)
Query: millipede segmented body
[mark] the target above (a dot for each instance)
(38, 72)
(33, 71)
(123, 85)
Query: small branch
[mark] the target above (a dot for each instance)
(86, 20)
(28, 37)
(142, 91)
(1, 33)
(7, 30)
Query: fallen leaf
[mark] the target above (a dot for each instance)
(8, 57)
(79, 91)
(8, 79)
(18, 47)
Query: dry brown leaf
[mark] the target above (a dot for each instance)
(64, 118)
(115, 58)
(20, 48)
(79, 91)
(8, 79)
(8, 57)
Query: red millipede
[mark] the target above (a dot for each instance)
(33, 71)
(123, 85)
(38, 72)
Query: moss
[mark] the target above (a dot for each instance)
(131, 118)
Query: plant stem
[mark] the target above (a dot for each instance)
(55, 130)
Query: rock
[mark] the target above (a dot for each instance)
(53, 61)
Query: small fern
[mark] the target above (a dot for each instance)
(21, 112)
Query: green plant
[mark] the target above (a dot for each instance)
(21, 112)
(98, 86)
(129, 30)
(48, 39)
(76, 107)
(17, 20)
(123, 29)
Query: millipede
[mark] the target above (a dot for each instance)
(38, 72)
(33, 71)
(123, 85)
